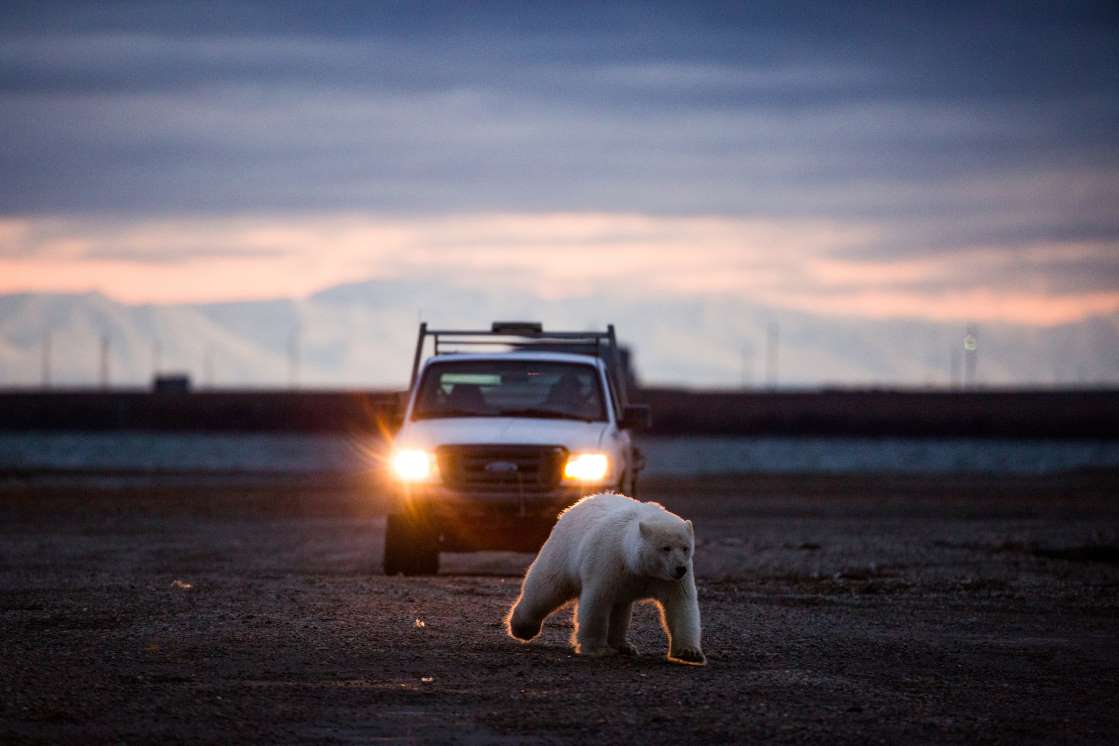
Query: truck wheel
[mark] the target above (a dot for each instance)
(410, 547)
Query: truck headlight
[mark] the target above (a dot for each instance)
(413, 465)
(586, 467)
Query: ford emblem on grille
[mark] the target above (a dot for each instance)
(501, 467)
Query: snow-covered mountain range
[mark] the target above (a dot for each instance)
(363, 334)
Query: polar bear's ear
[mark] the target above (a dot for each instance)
(691, 528)
(646, 529)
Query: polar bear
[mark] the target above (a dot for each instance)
(610, 551)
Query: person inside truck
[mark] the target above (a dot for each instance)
(567, 395)
(466, 397)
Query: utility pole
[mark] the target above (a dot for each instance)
(772, 349)
(157, 353)
(46, 360)
(971, 355)
(105, 361)
(293, 357)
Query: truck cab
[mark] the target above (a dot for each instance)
(501, 431)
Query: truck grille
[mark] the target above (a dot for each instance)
(500, 468)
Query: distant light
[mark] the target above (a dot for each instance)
(970, 343)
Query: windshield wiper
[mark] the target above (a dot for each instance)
(541, 412)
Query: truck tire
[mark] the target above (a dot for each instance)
(410, 547)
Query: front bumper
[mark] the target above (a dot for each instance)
(472, 521)
(446, 504)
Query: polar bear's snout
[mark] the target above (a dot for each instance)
(681, 571)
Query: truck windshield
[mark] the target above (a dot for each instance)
(510, 388)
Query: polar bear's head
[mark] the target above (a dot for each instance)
(667, 546)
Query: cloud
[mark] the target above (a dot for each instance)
(866, 159)
(814, 266)
(779, 109)
(910, 169)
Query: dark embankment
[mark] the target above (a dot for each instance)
(1087, 413)
(1029, 413)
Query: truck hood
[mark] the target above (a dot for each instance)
(572, 434)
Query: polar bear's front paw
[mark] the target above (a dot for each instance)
(523, 630)
(690, 656)
(626, 648)
(520, 626)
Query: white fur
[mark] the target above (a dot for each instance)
(608, 551)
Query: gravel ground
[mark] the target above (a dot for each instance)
(864, 609)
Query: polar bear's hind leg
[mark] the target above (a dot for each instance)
(620, 615)
(537, 600)
(592, 621)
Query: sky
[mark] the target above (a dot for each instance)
(947, 161)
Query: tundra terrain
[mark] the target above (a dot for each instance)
(835, 609)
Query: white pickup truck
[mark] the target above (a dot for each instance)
(502, 430)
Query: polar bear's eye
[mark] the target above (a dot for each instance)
(666, 549)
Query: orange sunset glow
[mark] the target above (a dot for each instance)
(800, 265)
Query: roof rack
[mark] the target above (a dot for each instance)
(513, 336)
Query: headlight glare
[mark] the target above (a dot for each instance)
(413, 465)
(586, 467)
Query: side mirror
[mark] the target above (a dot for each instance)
(636, 417)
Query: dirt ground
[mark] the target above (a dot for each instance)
(869, 609)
